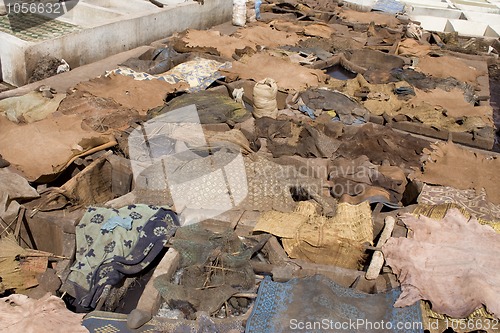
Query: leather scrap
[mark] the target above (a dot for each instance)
(361, 180)
(212, 107)
(19, 313)
(433, 320)
(454, 104)
(30, 107)
(319, 30)
(452, 263)
(52, 143)
(353, 16)
(286, 137)
(412, 48)
(380, 98)
(378, 65)
(447, 66)
(13, 188)
(380, 143)
(435, 117)
(130, 93)
(347, 109)
(101, 114)
(225, 45)
(261, 65)
(451, 165)
(264, 35)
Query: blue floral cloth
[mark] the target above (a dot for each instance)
(104, 256)
(317, 304)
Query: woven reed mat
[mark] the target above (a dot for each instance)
(336, 240)
(474, 203)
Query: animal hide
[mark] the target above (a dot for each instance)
(19, 313)
(43, 149)
(451, 165)
(261, 65)
(453, 263)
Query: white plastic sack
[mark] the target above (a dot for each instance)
(63, 67)
(264, 99)
(239, 12)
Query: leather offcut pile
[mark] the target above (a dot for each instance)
(252, 175)
(359, 180)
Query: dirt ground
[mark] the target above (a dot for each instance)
(45, 68)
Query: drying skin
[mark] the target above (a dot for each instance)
(140, 95)
(262, 65)
(380, 143)
(447, 66)
(365, 181)
(453, 104)
(382, 19)
(30, 107)
(224, 45)
(265, 35)
(212, 107)
(19, 313)
(285, 137)
(448, 163)
(99, 113)
(453, 263)
(53, 143)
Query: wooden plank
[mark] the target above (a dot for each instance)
(150, 300)
(467, 139)
(247, 223)
(121, 175)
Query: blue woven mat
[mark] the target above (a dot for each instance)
(317, 304)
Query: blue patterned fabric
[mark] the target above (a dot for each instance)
(199, 73)
(307, 110)
(389, 6)
(105, 256)
(317, 304)
(109, 322)
(118, 221)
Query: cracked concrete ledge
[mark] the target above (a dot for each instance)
(104, 35)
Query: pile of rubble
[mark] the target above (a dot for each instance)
(277, 176)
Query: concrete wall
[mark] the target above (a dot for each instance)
(437, 12)
(475, 21)
(431, 23)
(12, 58)
(18, 58)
